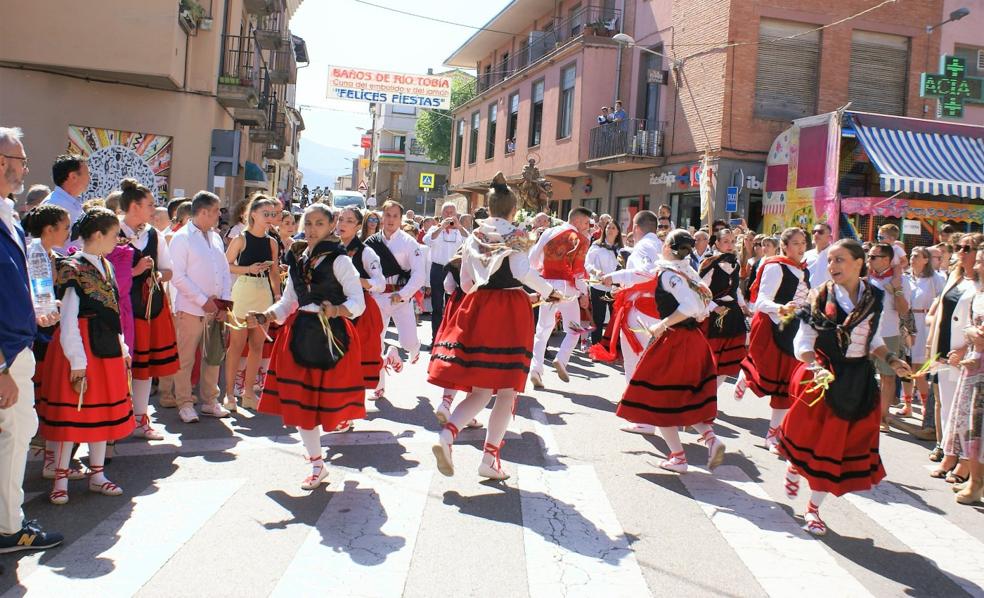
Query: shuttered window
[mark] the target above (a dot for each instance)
(788, 70)
(879, 72)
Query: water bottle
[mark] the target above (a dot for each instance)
(42, 285)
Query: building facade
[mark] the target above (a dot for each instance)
(182, 95)
(698, 78)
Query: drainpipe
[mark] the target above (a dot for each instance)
(618, 57)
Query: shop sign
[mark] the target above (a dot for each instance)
(407, 89)
(911, 227)
(952, 86)
(685, 177)
(731, 201)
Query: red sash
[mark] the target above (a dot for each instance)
(753, 291)
(641, 296)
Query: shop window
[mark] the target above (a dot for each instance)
(786, 79)
(627, 208)
(592, 204)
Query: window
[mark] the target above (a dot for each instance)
(536, 113)
(473, 137)
(487, 78)
(628, 207)
(400, 143)
(504, 67)
(650, 81)
(786, 79)
(400, 109)
(591, 204)
(490, 131)
(459, 140)
(576, 19)
(974, 58)
(513, 123)
(879, 72)
(565, 117)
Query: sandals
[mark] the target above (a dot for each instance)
(792, 484)
(813, 523)
(940, 473)
(936, 455)
(955, 478)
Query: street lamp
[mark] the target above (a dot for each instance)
(954, 16)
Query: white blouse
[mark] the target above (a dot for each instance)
(347, 276)
(370, 261)
(600, 262)
(807, 335)
(139, 240)
(923, 291)
(69, 334)
(690, 302)
(771, 279)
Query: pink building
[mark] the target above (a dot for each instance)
(965, 38)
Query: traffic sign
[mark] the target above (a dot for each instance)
(363, 187)
(731, 205)
(427, 180)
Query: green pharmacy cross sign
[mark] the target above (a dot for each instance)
(952, 86)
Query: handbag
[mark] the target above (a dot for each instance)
(213, 342)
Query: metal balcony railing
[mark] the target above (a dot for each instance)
(271, 31)
(588, 20)
(633, 137)
(240, 61)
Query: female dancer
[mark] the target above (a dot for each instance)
(49, 225)
(725, 328)
(967, 416)
(473, 351)
(84, 390)
(831, 437)
(780, 287)
(370, 324)
(950, 314)
(315, 380)
(155, 350)
(923, 286)
(602, 260)
(252, 256)
(675, 383)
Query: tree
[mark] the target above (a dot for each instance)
(434, 127)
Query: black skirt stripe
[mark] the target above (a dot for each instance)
(673, 387)
(873, 452)
(489, 350)
(308, 387)
(722, 364)
(317, 408)
(102, 424)
(43, 401)
(681, 409)
(724, 350)
(474, 363)
(804, 467)
(146, 363)
(173, 346)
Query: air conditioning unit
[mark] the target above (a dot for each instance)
(980, 60)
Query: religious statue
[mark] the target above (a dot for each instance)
(534, 190)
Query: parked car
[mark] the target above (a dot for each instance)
(344, 199)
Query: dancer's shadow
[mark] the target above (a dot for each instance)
(921, 576)
(388, 457)
(585, 400)
(556, 521)
(879, 494)
(422, 414)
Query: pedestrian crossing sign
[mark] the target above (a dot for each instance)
(427, 180)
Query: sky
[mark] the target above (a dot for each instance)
(348, 33)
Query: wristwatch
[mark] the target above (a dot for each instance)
(4, 369)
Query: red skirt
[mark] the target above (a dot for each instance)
(107, 410)
(156, 352)
(834, 455)
(451, 305)
(767, 368)
(369, 327)
(487, 342)
(729, 352)
(307, 397)
(675, 383)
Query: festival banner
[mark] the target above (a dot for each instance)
(801, 175)
(383, 87)
(915, 209)
(114, 155)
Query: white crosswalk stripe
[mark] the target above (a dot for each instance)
(365, 538)
(958, 554)
(116, 558)
(784, 559)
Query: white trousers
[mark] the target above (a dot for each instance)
(631, 359)
(18, 424)
(406, 328)
(570, 312)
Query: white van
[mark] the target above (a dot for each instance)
(344, 199)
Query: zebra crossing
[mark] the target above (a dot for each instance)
(230, 521)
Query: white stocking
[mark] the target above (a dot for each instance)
(816, 497)
(502, 411)
(63, 457)
(776, 420)
(97, 459)
(312, 441)
(141, 398)
(672, 437)
(467, 409)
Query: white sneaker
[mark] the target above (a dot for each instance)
(715, 453)
(214, 410)
(536, 378)
(188, 414)
(639, 429)
(561, 371)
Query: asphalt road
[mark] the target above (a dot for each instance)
(216, 509)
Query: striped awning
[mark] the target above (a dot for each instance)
(922, 156)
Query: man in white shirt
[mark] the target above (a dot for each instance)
(402, 261)
(71, 176)
(444, 239)
(816, 258)
(201, 276)
(883, 275)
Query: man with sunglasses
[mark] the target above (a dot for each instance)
(816, 258)
(884, 276)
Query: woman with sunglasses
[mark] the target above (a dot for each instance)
(831, 436)
(951, 314)
(780, 288)
(251, 257)
(371, 226)
(922, 286)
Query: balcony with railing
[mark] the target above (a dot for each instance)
(587, 22)
(283, 64)
(264, 7)
(628, 144)
(271, 31)
(240, 76)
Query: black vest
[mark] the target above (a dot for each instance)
(317, 284)
(139, 293)
(502, 278)
(355, 249)
(666, 304)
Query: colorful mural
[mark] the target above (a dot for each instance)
(801, 175)
(915, 209)
(114, 155)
